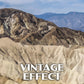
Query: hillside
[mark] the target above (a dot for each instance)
(27, 29)
(12, 54)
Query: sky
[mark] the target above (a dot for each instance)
(37, 7)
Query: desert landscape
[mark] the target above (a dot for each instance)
(27, 39)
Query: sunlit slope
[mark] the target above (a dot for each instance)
(13, 54)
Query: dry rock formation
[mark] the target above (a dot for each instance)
(27, 29)
(27, 39)
(13, 54)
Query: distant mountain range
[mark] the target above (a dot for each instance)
(73, 20)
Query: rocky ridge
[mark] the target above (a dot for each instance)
(13, 54)
(27, 29)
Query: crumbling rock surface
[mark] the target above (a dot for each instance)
(13, 54)
(27, 29)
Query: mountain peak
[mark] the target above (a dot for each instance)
(27, 29)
